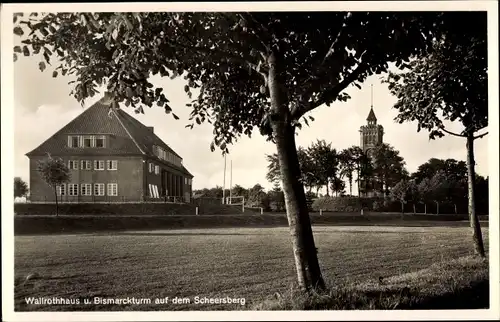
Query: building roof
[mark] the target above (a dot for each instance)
(130, 137)
(371, 115)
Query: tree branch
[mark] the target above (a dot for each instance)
(262, 28)
(480, 135)
(331, 49)
(223, 54)
(451, 133)
(332, 93)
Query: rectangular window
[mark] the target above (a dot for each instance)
(86, 165)
(157, 169)
(86, 189)
(98, 164)
(87, 141)
(151, 167)
(112, 189)
(73, 189)
(98, 189)
(73, 165)
(99, 141)
(73, 141)
(61, 189)
(112, 165)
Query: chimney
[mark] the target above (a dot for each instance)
(151, 128)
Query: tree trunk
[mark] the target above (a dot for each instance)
(57, 206)
(327, 189)
(317, 191)
(350, 186)
(359, 183)
(437, 207)
(414, 210)
(402, 208)
(304, 249)
(474, 220)
(425, 208)
(455, 205)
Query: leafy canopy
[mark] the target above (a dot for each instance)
(450, 82)
(53, 171)
(223, 57)
(20, 187)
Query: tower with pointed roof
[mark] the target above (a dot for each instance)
(372, 134)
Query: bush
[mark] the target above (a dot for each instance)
(338, 204)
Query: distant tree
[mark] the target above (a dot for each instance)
(337, 185)
(452, 168)
(238, 190)
(54, 172)
(276, 199)
(347, 165)
(256, 195)
(438, 188)
(20, 188)
(325, 162)
(450, 83)
(250, 69)
(388, 167)
(307, 169)
(424, 192)
(364, 168)
(400, 193)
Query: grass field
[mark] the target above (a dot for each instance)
(250, 263)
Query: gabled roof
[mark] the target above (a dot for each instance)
(130, 137)
(371, 115)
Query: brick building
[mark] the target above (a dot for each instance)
(111, 157)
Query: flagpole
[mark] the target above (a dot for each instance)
(231, 183)
(224, 184)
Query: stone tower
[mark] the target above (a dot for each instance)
(372, 133)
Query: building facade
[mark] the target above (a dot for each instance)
(111, 157)
(371, 135)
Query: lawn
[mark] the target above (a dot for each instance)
(249, 263)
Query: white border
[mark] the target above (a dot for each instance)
(7, 148)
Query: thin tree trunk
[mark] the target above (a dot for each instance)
(474, 220)
(402, 208)
(350, 185)
(304, 249)
(414, 210)
(57, 206)
(425, 208)
(359, 184)
(437, 208)
(327, 189)
(455, 208)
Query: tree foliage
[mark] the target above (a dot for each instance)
(438, 86)
(20, 187)
(223, 56)
(388, 167)
(53, 171)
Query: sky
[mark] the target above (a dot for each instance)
(42, 106)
